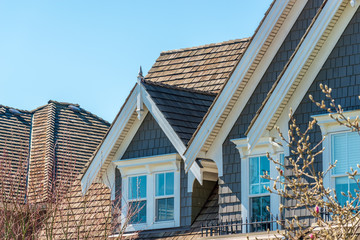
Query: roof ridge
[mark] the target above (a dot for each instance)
(159, 84)
(25, 111)
(49, 147)
(206, 46)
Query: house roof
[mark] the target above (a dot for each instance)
(52, 141)
(165, 76)
(203, 68)
(302, 67)
(183, 110)
(285, 68)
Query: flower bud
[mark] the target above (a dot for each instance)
(317, 210)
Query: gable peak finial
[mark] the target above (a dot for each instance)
(140, 72)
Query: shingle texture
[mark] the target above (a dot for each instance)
(341, 72)
(230, 184)
(183, 110)
(149, 140)
(204, 68)
(52, 142)
(81, 217)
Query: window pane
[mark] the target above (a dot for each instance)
(165, 209)
(160, 184)
(254, 189)
(341, 185)
(254, 170)
(353, 149)
(263, 189)
(137, 210)
(169, 183)
(264, 167)
(137, 187)
(142, 186)
(259, 213)
(339, 152)
(258, 208)
(133, 188)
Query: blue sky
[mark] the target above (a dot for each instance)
(89, 52)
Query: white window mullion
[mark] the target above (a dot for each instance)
(150, 218)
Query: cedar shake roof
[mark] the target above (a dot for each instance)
(204, 68)
(208, 214)
(51, 142)
(183, 110)
(81, 216)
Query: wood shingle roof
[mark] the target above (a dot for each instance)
(183, 110)
(203, 68)
(51, 142)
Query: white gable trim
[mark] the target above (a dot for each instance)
(109, 141)
(168, 130)
(289, 76)
(236, 79)
(163, 123)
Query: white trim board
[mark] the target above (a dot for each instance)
(117, 129)
(168, 130)
(290, 75)
(109, 141)
(241, 70)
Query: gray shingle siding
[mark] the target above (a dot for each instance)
(341, 72)
(149, 140)
(185, 198)
(229, 183)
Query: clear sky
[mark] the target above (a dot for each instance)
(89, 51)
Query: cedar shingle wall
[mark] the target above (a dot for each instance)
(229, 184)
(341, 72)
(149, 140)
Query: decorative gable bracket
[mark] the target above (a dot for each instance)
(140, 103)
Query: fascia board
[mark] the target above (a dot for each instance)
(288, 78)
(239, 73)
(109, 141)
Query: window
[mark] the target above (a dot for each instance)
(345, 149)
(151, 187)
(255, 199)
(137, 198)
(164, 195)
(341, 145)
(259, 196)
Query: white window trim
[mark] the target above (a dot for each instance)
(328, 127)
(265, 145)
(150, 166)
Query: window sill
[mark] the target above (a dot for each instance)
(155, 225)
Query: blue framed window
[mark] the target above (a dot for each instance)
(164, 196)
